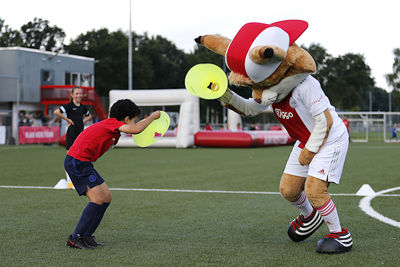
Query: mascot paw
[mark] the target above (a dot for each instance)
(226, 98)
(306, 157)
(268, 97)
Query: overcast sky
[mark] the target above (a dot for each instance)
(370, 28)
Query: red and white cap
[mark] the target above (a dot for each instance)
(281, 34)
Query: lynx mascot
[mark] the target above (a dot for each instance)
(265, 58)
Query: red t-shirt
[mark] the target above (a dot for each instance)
(95, 140)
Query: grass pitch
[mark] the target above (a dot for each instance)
(146, 228)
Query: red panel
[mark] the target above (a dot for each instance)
(242, 139)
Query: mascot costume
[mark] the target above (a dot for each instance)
(265, 58)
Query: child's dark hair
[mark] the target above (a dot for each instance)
(123, 108)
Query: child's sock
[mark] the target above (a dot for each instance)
(304, 205)
(99, 216)
(88, 216)
(330, 215)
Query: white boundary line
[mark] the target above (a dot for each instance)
(193, 191)
(365, 205)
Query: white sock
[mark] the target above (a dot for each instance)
(330, 215)
(304, 205)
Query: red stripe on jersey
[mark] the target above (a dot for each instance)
(291, 120)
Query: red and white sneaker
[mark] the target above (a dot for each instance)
(301, 228)
(335, 242)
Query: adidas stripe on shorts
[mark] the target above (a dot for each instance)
(326, 165)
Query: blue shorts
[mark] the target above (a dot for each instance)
(82, 174)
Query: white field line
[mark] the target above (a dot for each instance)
(365, 205)
(189, 191)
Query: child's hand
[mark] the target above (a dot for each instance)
(155, 115)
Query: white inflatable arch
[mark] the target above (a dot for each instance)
(189, 113)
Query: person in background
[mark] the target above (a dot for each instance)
(347, 124)
(76, 115)
(394, 133)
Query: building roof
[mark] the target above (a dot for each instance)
(31, 50)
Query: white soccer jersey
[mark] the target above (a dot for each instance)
(297, 110)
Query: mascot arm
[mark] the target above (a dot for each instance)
(246, 107)
(323, 124)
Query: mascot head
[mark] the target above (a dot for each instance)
(262, 56)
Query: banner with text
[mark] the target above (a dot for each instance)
(39, 134)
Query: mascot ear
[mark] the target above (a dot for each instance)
(217, 44)
(265, 53)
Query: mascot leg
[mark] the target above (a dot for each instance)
(309, 220)
(340, 239)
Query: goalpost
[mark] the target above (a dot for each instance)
(371, 126)
(188, 119)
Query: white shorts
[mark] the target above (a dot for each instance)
(326, 165)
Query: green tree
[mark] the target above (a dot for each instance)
(38, 34)
(393, 79)
(396, 100)
(8, 36)
(347, 81)
(320, 56)
(166, 62)
(380, 99)
(111, 53)
(203, 55)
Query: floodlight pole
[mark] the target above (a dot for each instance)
(130, 48)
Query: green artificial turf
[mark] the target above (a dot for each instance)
(151, 228)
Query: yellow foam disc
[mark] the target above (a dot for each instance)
(153, 132)
(207, 81)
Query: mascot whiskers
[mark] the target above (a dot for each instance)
(265, 58)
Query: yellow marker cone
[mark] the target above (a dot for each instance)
(153, 132)
(207, 81)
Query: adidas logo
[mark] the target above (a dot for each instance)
(322, 172)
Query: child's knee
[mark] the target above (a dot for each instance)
(107, 197)
(99, 194)
(316, 191)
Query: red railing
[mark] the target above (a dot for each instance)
(63, 92)
(60, 94)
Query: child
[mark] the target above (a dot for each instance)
(394, 133)
(87, 148)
